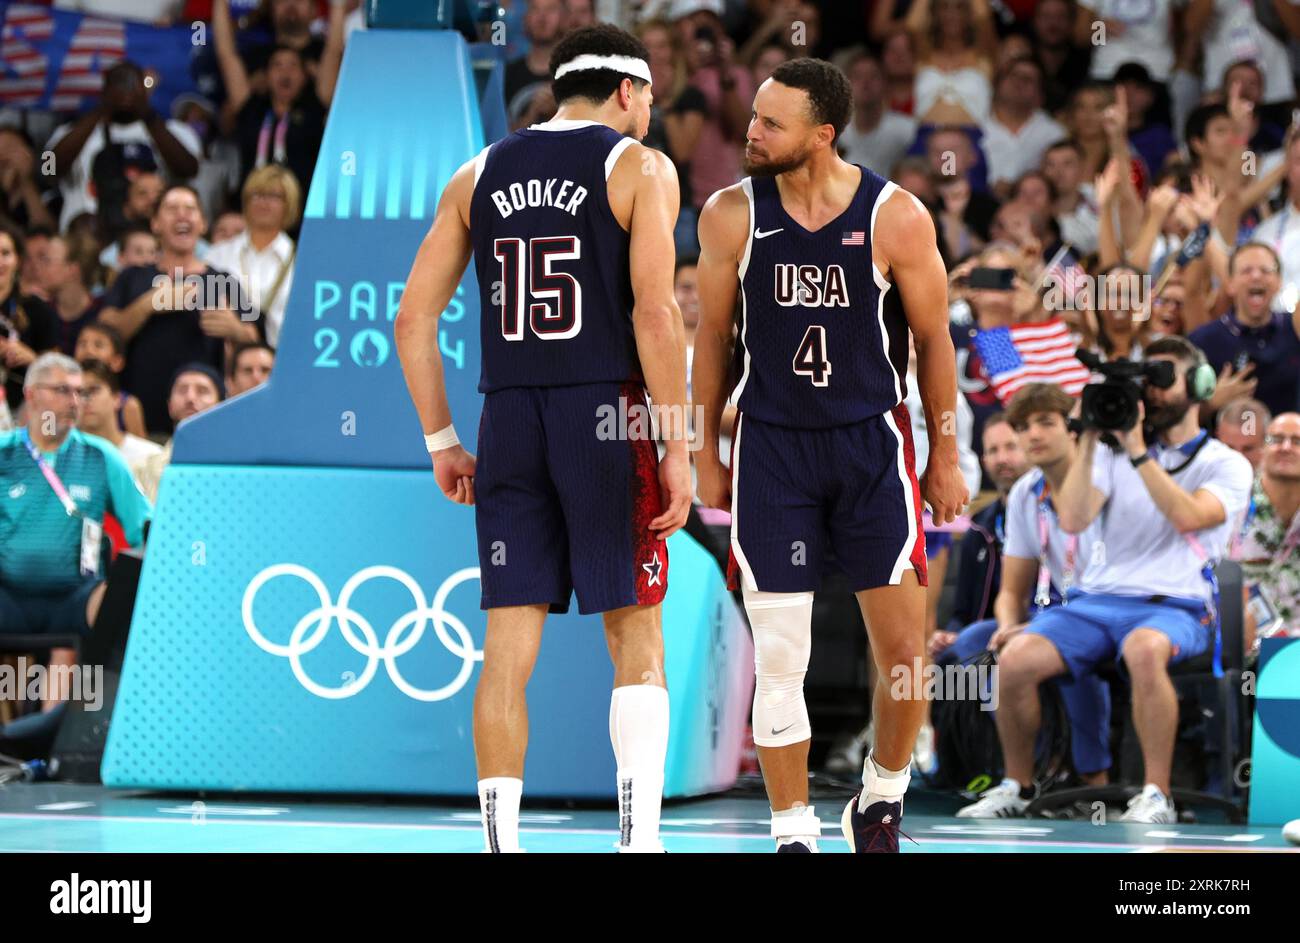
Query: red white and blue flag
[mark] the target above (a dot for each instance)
(856, 237)
(55, 60)
(1030, 353)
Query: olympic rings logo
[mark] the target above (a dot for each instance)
(312, 628)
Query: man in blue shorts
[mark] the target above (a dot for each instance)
(1161, 517)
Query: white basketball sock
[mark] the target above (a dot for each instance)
(498, 802)
(638, 731)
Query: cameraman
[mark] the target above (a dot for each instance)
(1163, 514)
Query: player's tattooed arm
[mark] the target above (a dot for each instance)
(657, 325)
(905, 251)
(723, 231)
(439, 265)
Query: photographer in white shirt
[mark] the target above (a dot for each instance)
(1160, 518)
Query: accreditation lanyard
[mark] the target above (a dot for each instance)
(60, 492)
(1208, 574)
(1043, 594)
(92, 531)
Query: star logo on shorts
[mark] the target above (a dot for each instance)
(654, 568)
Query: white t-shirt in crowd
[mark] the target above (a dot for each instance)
(1137, 551)
(1282, 232)
(1013, 153)
(257, 273)
(75, 186)
(1024, 538)
(881, 148)
(1234, 35)
(1147, 39)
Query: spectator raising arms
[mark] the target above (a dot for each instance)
(283, 125)
(289, 23)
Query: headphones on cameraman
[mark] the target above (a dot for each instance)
(1201, 378)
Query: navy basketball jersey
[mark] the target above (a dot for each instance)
(555, 292)
(823, 338)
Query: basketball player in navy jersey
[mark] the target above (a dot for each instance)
(832, 265)
(570, 224)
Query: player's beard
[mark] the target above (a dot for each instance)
(774, 166)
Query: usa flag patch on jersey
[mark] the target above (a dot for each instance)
(856, 237)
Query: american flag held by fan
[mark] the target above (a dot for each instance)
(1030, 353)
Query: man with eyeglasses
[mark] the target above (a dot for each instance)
(58, 484)
(1266, 544)
(1252, 340)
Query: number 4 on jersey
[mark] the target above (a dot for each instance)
(810, 360)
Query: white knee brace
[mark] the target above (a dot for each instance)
(782, 625)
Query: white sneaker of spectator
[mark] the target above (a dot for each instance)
(1001, 802)
(1150, 807)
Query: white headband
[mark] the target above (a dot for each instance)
(629, 65)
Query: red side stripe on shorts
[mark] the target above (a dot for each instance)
(733, 565)
(649, 553)
(903, 419)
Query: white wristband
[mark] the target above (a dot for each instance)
(442, 439)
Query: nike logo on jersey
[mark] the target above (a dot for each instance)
(759, 234)
(776, 732)
(809, 287)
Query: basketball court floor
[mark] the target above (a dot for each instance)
(60, 817)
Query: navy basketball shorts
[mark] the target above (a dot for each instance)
(564, 497)
(799, 494)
